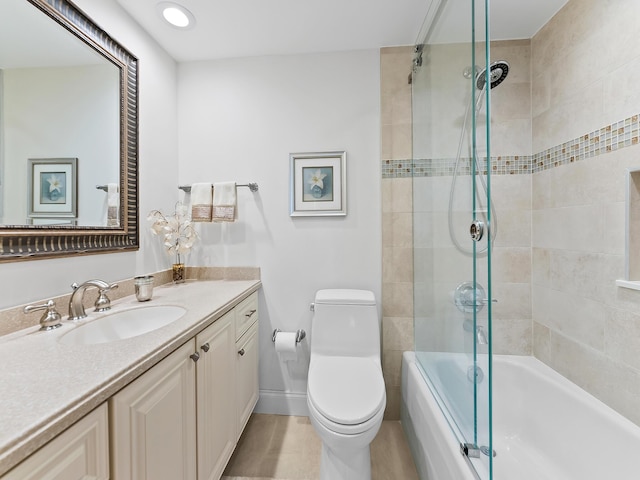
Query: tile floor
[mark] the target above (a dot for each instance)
(287, 448)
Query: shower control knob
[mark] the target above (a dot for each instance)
(476, 230)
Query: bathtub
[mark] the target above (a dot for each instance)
(544, 426)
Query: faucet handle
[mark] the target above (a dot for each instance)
(103, 303)
(50, 319)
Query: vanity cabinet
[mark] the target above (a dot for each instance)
(153, 422)
(182, 419)
(80, 452)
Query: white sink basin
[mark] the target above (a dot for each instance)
(125, 324)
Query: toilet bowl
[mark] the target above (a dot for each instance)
(346, 393)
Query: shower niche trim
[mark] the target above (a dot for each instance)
(632, 232)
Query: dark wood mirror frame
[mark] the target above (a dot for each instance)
(19, 242)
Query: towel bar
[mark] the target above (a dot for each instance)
(253, 186)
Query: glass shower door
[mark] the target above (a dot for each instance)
(453, 230)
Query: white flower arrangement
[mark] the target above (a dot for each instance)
(177, 229)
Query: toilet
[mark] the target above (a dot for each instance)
(345, 393)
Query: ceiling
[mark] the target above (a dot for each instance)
(241, 28)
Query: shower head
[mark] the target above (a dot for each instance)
(498, 71)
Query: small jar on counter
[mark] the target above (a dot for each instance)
(144, 287)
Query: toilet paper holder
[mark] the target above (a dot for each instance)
(300, 334)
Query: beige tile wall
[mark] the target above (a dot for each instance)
(511, 100)
(512, 314)
(511, 196)
(511, 265)
(585, 68)
(397, 222)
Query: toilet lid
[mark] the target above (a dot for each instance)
(346, 390)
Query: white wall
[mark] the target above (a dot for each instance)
(239, 120)
(23, 282)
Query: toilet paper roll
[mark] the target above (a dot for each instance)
(286, 346)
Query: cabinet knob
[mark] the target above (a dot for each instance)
(249, 313)
(241, 352)
(205, 347)
(195, 356)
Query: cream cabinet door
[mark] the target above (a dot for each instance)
(79, 453)
(247, 376)
(153, 422)
(216, 397)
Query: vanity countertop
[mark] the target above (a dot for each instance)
(47, 386)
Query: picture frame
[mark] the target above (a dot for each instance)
(52, 186)
(318, 184)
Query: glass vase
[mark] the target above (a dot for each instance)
(178, 272)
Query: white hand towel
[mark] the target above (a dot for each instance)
(113, 205)
(201, 202)
(224, 202)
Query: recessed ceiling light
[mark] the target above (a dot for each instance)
(176, 15)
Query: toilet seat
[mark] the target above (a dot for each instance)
(336, 428)
(347, 393)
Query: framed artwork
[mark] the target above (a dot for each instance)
(318, 184)
(52, 185)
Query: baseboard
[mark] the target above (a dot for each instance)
(282, 403)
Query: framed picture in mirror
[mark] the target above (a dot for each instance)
(52, 185)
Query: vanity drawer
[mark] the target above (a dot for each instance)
(246, 314)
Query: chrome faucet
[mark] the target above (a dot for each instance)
(76, 305)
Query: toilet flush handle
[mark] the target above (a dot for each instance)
(312, 307)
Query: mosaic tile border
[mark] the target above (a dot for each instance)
(622, 134)
(607, 139)
(438, 167)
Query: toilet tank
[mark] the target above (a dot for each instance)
(345, 323)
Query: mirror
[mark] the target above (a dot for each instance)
(68, 134)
